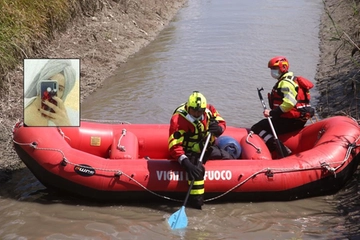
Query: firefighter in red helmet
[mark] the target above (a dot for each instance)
(289, 103)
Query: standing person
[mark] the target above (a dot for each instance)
(289, 104)
(62, 71)
(189, 126)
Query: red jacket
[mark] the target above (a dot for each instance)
(185, 134)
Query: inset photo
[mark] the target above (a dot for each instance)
(52, 92)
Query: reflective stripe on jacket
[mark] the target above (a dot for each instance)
(186, 135)
(283, 95)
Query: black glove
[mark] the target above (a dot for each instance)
(215, 129)
(194, 172)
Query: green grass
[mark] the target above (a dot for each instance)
(25, 25)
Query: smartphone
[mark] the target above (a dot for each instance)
(48, 89)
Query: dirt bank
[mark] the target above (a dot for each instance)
(105, 40)
(338, 73)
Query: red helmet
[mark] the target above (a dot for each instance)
(281, 62)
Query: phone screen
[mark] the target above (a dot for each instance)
(48, 90)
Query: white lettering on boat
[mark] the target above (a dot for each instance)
(218, 175)
(84, 170)
(180, 176)
(170, 175)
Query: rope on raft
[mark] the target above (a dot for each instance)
(268, 171)
(117, 173)
(105, 121)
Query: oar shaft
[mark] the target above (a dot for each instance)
(278, 146)
(188, 192)
(179, 218)
(272, 128)
(205, 146)
(200, 160)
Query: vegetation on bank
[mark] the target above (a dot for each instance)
(341, 35)
(341, 89)
(27, 25)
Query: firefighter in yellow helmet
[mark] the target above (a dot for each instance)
(189, 126)
(289, 104)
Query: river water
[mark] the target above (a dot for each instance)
(220, 48)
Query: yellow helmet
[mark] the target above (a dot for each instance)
(197, 101)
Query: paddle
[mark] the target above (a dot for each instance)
(179, 219)
(278, 144)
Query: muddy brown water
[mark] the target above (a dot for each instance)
(220, 48)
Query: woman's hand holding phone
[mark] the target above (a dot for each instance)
(58, 115)
(48, 90)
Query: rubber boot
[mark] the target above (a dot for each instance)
(285, 150)
(196, 201)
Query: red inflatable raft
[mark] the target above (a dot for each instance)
(131, 162)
